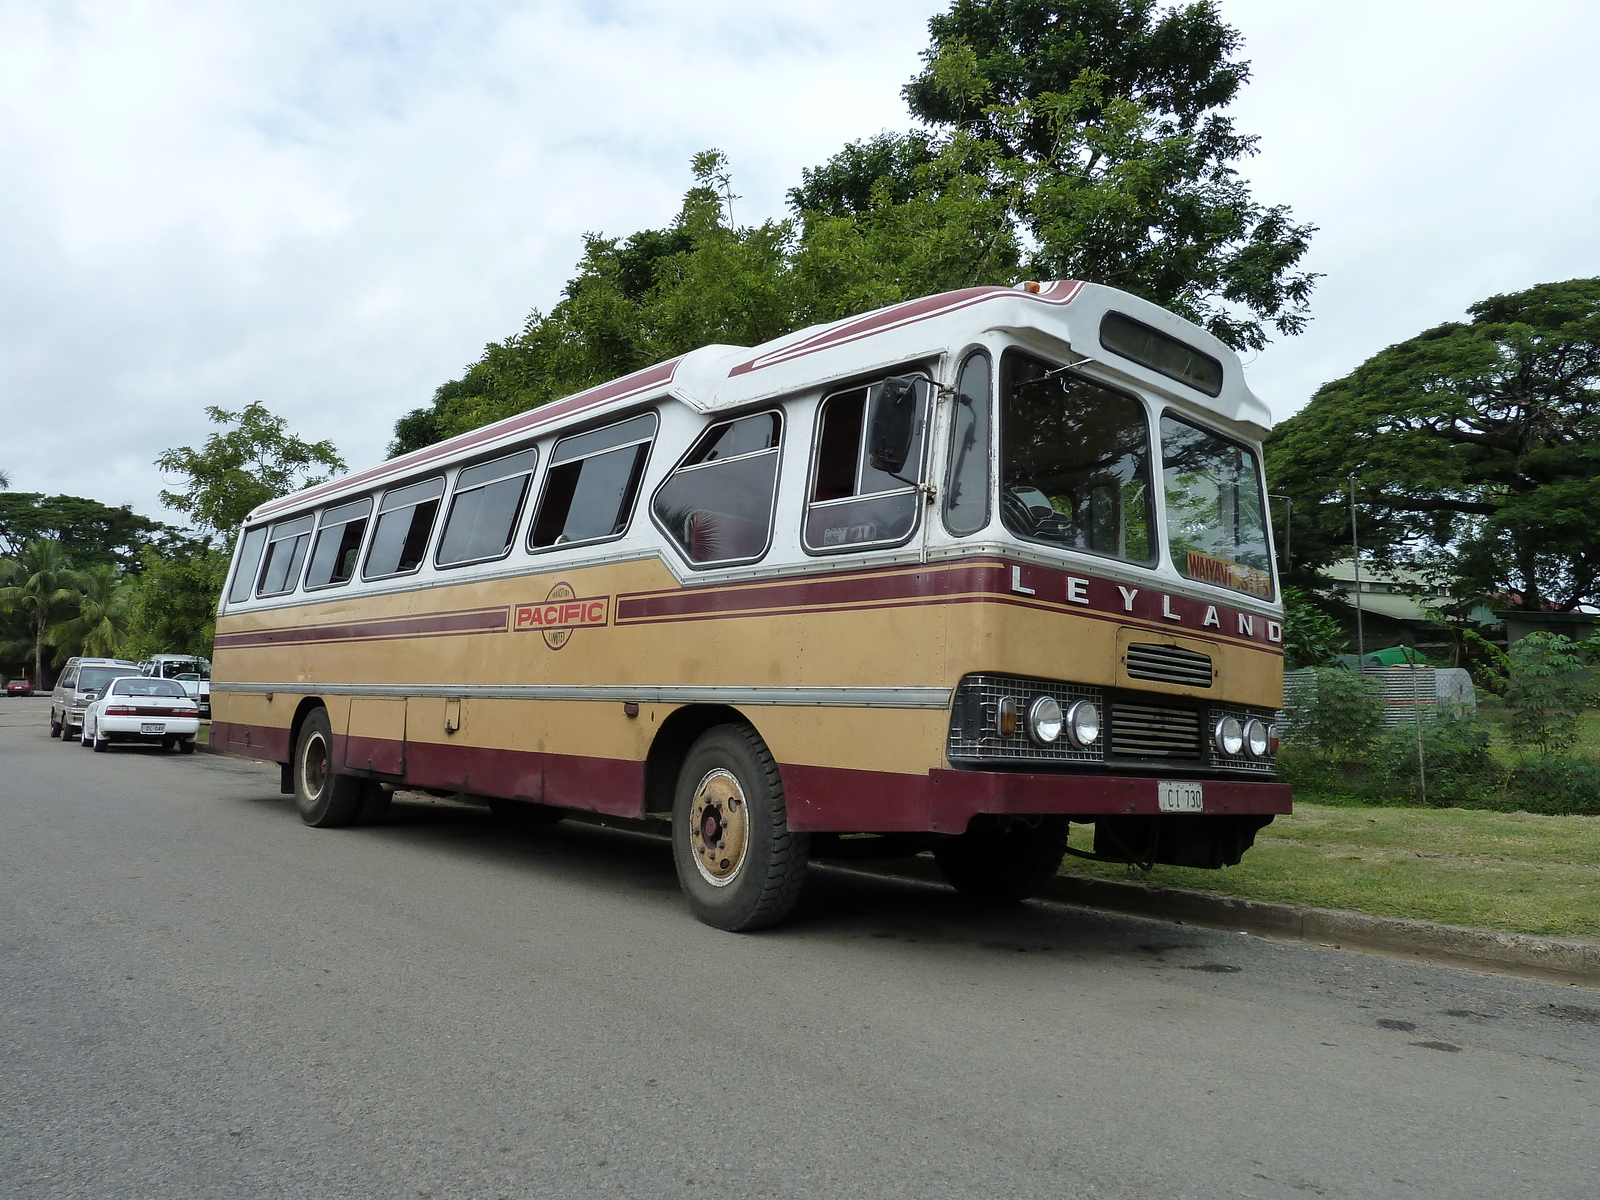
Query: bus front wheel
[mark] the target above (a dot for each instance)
(739, 864)
(1003, 860)
(325, 799)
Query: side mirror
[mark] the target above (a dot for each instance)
(893, 423)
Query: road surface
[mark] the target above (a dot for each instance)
(200, 997)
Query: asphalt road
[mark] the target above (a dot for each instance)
(201, 997)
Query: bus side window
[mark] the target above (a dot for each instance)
(966, 487)
(286, 553)
(717, 504)
(852, 503)
(405, 520)
(591, 483)
(484, 510)
(333, 559)
(244, 576)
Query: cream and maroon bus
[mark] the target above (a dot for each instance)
(953, 573)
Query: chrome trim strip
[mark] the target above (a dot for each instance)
(806, 697)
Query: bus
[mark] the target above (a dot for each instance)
(943, 577)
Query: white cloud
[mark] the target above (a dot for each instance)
(332, 206)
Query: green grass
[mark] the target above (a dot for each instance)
(1506, 871)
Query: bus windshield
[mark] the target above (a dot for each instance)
(1215, 519)
(1075, 462)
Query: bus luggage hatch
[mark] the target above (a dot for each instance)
(376, 738)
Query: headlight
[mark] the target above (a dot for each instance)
(1083, 724)
(1045, 720)
(1257, 737)
(1229, 736)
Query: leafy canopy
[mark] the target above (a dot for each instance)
(1078, 139)
(1475, 446)
(254, 459)
(89, 532)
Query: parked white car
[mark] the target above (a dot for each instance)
(136, 708)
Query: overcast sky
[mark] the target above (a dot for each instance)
(330, 206)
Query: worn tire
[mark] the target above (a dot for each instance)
(325, 799)
(186, 746)
(739, 864)
(1003, 862)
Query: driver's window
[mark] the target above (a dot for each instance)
(851, 503)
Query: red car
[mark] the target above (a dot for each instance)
(19, 687)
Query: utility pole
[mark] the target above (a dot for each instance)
(1355, 559)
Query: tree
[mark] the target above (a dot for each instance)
(89, 532)
(41, 585)
(1076, 139)
(101, 620)
(253, 460)
(173, 606)
(1097, 123)
(1476, 450)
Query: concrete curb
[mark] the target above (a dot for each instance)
(1561, 959)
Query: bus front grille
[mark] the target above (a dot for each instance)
(1154, 731)
(1168, 664)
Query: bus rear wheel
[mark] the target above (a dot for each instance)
(1003, 860)
(739, 864)
(325, 799)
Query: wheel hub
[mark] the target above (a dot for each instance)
(719, 827)
(315, 767)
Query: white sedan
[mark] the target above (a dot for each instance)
(138, 709)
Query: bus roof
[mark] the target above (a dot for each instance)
(716, 378)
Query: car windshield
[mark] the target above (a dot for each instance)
(147, 687)
(1075, 462)
(93, 679)
(1215, 518)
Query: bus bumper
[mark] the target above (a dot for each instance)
(831, 799)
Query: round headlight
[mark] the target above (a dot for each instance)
(1083, 724)
(1229, 735)
(1256, 737)
(1045, 720)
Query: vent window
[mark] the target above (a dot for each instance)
(333, 559)
(592, 482)
(405, 522)
(1161, 352)
(484, 510)
(286, 553)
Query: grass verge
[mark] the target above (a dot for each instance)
(1514, 872)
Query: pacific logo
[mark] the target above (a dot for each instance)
(561, 613)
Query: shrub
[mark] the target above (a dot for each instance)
(1455, 749)
(1555, 784)
(1340, 714)
(1545, 692)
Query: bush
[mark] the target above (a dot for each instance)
(1455, 748)
(1340, 714)
(1554, 784)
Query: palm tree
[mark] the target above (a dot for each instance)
(42, 585)
(102, 618)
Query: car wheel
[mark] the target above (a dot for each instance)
(169, 744)
(84, 739)
(186, 745)
(55, 725)
(101, 742)
(325, 799)
(997, 862)
(739, 864)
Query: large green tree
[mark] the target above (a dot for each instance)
(89, 532)
(253, 459)
(100, 618)
(173, 605)
(1077, 139)
(1475, 448)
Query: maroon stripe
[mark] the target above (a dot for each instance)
(819, 799)
(639, 381)
(838, 800)
(1046, 588)
(477, 620)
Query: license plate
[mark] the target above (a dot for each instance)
(1180, 797)
(153, 727)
